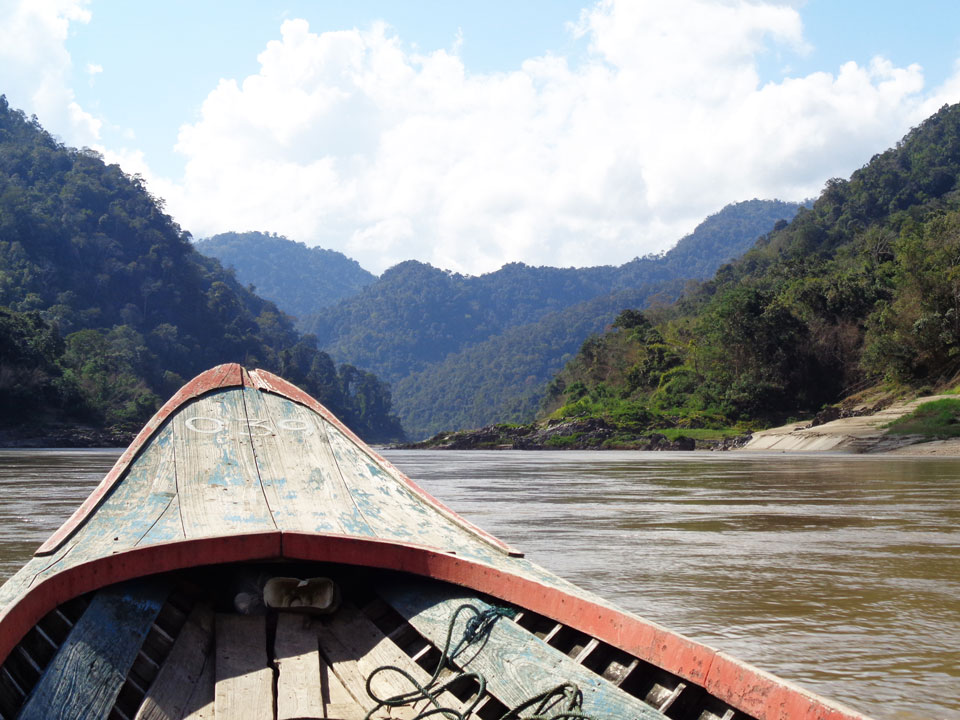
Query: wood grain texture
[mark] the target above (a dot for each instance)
(297, 657)
(169, 696)
(268, 382)
(342, 662)
(84, 677)
(217, 478)
(199, 704)
(131, 510)
(516, 663)
(389, 508)
(299, 473)
(359, 637)
(337, 700)
(244, 688)
(226, 375)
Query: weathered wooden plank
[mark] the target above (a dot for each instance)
(299, 690)
(297, 468)
(199, 705)
(220, 376)
(217, 479)
(244, 688)
(131, 510)
(343, 663)
(372, 649)
(516, 663)
(85, 676)
(337, 700)
(168, 696)
(390, 509)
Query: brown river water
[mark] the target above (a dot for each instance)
(840, 573)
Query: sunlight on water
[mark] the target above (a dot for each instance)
(841, 573)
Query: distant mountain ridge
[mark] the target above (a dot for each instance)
(502, 379)
(299, 279)
(417, 319)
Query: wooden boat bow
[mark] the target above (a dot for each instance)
(243, 467)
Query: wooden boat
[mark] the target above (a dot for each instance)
(249, 557)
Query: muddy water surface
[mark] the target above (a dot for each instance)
(841, 573)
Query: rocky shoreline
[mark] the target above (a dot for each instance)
(575, 434)
(65, 436)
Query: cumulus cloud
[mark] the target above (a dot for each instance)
(35, 65)
(350, 140)
(356, 141)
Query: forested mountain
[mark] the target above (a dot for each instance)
(460, 349)
(300, 280)
(105, 306)
(502, 379)
(862, 288)
(416, 314)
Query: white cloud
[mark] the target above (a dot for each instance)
(352, 141)
(356, 141)
(93, 69)
(35, 65)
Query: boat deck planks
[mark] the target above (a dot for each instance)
(217, 476)
(512, 661)
(391, 509)
(300, 477)
(168, 698)
(297, 657)
(244, 689)
(357, 634)
(337, 700)
(343, 665)
(84, 677)
(199, 705)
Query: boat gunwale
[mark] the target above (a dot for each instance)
(231, 375)
(749, 689)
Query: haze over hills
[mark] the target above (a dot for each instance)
(462, 350)
(503, 378)
(298, 278)
(106, 308)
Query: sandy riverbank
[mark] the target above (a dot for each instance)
(933, 448)
(862, 434)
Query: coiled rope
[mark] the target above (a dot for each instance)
(564, 702)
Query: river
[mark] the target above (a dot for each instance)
(840, 573)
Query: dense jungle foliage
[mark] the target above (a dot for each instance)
(300, 280)
(503, 379)
(416, 314)
(862, 288)
(462, 350)
(106, 308)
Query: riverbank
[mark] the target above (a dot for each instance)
(65, 436)
(856, 428)
(861, 432)
(573, 434)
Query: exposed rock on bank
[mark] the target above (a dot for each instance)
(859, 429)
(575, 434)
(65, 436)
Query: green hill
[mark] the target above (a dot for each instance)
(444, 340)
(300, 280)
(105, 306)
(862, 288)
(503, 379)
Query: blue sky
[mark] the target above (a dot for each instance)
(183, 49)
(476, 133)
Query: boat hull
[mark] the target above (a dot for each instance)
(261, 473)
